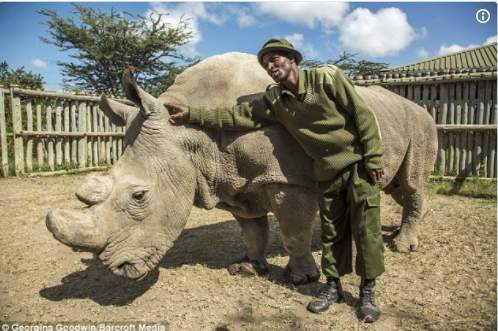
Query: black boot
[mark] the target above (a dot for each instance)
(368, 311)
(332, 293)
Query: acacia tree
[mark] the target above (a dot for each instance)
(103, 45)
(19, 77)
(350, 65)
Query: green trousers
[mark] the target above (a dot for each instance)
(350, 208)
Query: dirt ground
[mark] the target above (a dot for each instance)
(448, 284)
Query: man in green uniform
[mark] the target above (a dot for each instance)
(322, 111)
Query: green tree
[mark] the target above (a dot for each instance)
(350, 65)
(103, 45)
(19, 77)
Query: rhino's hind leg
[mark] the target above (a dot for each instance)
(295, 208)
(255, 236)
(413, 212)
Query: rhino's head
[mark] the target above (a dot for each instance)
(134, 214)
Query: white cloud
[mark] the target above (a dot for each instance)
(448, 49)
(245, 20)
(39, 64)
(490, 40)
(454, 48)
(297, 39)
(422, 52)
(384, 33)
(309, 14)
(192, 12)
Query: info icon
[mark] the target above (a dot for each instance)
(483, 16)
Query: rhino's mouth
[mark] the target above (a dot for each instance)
(132, 256)
(129, 270)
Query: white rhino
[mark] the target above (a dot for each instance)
(136, 212)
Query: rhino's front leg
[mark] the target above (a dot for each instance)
(295, 208)
(255, 236)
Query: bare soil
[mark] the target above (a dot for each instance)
(448, 284)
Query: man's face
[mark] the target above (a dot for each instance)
(278, 65)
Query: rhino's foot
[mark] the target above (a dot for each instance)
(300, 277)
(405, 241)
(246, 267)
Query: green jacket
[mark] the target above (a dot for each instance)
(328, 119)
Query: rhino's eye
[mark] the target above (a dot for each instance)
(138, 196)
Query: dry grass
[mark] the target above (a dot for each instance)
(449, 284)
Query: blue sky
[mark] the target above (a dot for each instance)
(392, 32)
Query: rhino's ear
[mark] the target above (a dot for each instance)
(117, 112)
(146, 102)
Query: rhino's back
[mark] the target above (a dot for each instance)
(219, 81)
(403, 124)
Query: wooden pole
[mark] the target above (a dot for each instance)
(492, 156)
(15, 104)
(3, 137)
(58, 128)
(442, 119)
(459, 135)
(82, 147)
(108, 142)
(402, 90)
(29, 141)
(74, 128)
(50, 141)
(67, 128)
(96, 139)
(434, 89)
(89, 151)
(101, 140)
(39, 145)
(425, 97)
(471, 136)
(451, 136)
(479, 137)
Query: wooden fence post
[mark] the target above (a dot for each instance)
(101, 139)
(15, 105)
(95, 140)
(89, 139)
(3, 137)
(50, 140)
(108, 141)
(82, 147)
(29, 140)
(74, 128)
(67, 150)
(58, 128)
(39, 144)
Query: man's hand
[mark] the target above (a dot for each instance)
(376, 174)
(179, 113)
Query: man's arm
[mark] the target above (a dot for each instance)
(247, 115)
(341, 89)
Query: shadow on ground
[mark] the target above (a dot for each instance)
(215, 246)
(100, 285)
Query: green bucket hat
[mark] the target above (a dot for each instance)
(275, 44)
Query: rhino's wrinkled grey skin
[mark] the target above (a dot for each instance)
(137, 211)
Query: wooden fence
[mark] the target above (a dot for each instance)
(464, 109)
(45, 132)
